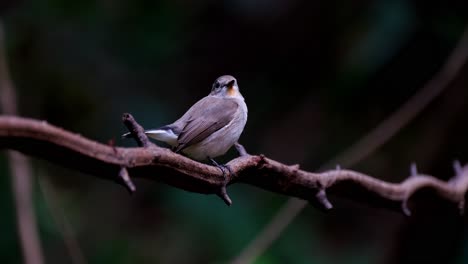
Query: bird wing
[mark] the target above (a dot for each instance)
(206, 117)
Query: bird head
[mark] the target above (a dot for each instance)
(225, 86)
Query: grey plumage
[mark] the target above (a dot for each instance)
(211, 126)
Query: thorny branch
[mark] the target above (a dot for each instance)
(365, 146)
(40, 139)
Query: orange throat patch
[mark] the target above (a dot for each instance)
(231, 91)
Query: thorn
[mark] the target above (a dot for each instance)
(322, 198)
(295, 166)
(413, 170)
(262, 161)
(224, 196)
(457, 167)
(123, 174)
(404, 207)
(111, 143)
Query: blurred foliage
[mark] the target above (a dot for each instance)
(316, 76)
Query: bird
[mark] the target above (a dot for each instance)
(210, 127)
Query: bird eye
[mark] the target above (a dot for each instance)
(216, 85)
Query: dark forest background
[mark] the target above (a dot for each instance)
(316, 75)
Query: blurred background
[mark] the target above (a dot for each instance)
(316, 75)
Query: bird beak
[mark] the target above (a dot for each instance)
(230, 88)
(230, 84)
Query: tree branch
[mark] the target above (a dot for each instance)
(40, 139)
(365, 146)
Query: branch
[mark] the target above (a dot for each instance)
(365, 146)
(40, 139)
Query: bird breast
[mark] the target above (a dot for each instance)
(220, 141)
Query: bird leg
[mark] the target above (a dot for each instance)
(222, 193)
(221, 167)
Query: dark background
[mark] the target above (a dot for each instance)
(316, 75)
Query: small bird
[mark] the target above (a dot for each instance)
(210, 127)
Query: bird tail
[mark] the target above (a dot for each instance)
(164, 134)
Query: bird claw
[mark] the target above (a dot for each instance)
(222, 167)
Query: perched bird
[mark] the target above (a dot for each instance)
(211, 126)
